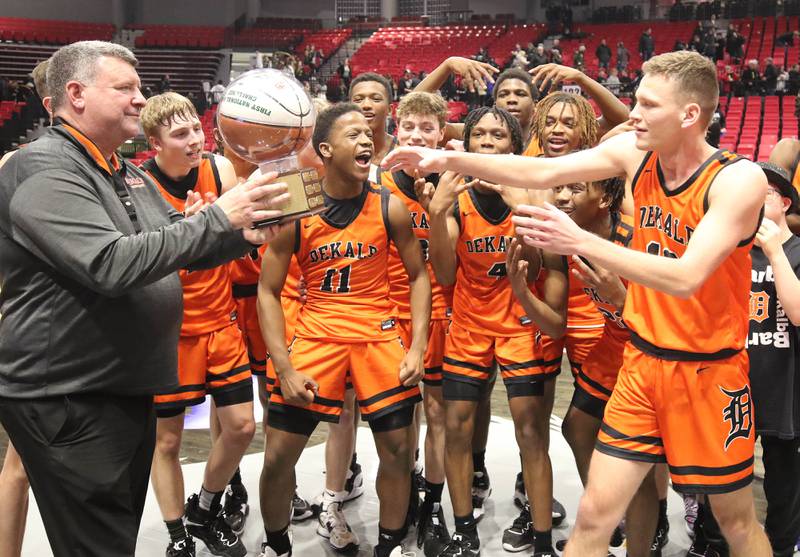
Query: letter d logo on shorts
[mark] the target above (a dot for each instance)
(738, 413)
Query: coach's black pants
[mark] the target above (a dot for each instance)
(88, 460)
(782, 488)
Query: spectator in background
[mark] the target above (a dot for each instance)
(787, 39)
(164, 85)
(520, 59)
(345, 72)
(734, 44)
(613, 83)
(217, 92)
(603, 54)
(793, 82)
(538, 58)
(716, 128)
(751, 79)
(3, 89)
(623, 57)
(406, 84)
(679, 45)
(555, 56)
(782, 84)
(579, 57)
(556, 47)
(647, 45)
(729, 82)
(770, 77)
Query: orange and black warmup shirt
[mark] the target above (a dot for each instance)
(622, 234)
(343, 254)
(402, 185)
(207, 302)
(483, 301)
(712, 323)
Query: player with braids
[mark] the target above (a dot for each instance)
(514, 130)
(579, 123)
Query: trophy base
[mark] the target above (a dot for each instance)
(305, 191)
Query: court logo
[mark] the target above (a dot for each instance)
(738, 413)
(759, 306)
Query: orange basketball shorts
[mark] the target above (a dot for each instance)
(434, 352)
(596, 375)
(578, 341)
(374, 370)
(214, 363)
(469, 359)
(696, 416)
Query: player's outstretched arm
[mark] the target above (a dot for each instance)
(444, 228)
(550, 312)
(470, 71)
(410, 253)
(274, 268)
(787, 285)
(615, 157)
(735, 202)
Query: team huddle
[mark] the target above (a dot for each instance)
(540, 229)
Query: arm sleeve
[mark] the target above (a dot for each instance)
(62, 221)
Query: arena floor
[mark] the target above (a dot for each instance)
(501, 461)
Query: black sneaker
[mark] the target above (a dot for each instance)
(703, 549)
(413, 502)
(182, 548)
(210, 527)
(235, 509)
(432, 534)
(559, 513)
(301, 510)
(519, 536)
(420, 477)
(617, 538)
(481, 489)
(561, 545)
(549, 552)
(461, 546)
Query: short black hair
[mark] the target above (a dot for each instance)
(325, 121)
(515, 73)
(371, 76)
(517, 143)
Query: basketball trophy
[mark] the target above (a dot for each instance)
(266, 118)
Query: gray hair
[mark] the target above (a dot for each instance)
(78, 62)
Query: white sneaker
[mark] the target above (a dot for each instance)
(334, 527)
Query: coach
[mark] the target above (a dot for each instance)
(91, 301)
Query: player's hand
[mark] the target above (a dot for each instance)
(450, 185)
(768, 237)
(263, 235)
(410, 159)
(302, 290)
(516, 267)
(297, 389)
(607, 284)
(471, 71)
(513, 197)
(549, 229)
(254, 200)
(196, 202)
(412, 368)
(424, 190)
(624, 127)
(554, 74)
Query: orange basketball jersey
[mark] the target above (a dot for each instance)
(401, 185)
(533, 149)
(622, 234)
(345, 269)
(712, 323)
(207, 301)
(483, 301)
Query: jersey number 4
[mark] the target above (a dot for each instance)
(498, 270)
(654, 248)
(343, 279)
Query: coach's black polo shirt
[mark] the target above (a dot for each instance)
(89, 252)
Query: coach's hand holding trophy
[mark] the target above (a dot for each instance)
(266, 117)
